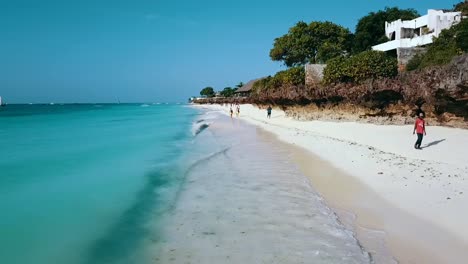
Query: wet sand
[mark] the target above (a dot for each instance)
(249, 203)
(376, 181)
(406, 239)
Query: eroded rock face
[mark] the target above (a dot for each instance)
(440, 92)
(394, 115)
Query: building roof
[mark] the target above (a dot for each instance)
(248, 86)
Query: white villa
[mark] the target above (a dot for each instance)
(419, 31)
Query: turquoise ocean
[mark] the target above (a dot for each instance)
(157, 183)
(78, 183)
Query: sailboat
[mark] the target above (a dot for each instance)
(1, 103)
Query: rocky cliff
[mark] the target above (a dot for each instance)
(440, 92)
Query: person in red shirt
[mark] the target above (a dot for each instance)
(420, 129)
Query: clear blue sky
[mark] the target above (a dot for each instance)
(152, 51)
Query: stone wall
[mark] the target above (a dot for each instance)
(314, 74)
(406, 54)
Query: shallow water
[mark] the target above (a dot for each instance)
(155, 184)
(245, 202)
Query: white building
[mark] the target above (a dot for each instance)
(419, 31)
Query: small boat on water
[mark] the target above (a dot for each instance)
(1, 102)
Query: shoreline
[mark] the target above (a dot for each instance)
(415, 198)
(407, 237)
(313, 168)
(259, 209)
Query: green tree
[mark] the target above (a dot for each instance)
(228, 92)
(316, 42)
(207, 91)
(461, 35)
(370, 29)
(462, 7)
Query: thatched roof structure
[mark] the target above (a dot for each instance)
(248, 86)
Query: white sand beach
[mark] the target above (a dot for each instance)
(416, 198)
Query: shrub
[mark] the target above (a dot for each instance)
(293, 76)
(362, 66)
(414, 62)
(261, 84)
(335, 70)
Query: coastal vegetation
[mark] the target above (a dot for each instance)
(370, 29)
(207, 92)
(462, 7)
(360, 67)
(294, 76)
(348, 56)
(315, 42)
(364, 82)
(228, 92)
(450, 43)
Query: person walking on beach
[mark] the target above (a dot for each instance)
(420, 129)
(230, 110)
(238, 110)
(269, 112)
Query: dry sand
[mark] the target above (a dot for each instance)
(415, 198)
(383, 229)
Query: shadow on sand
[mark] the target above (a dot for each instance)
(433, 143)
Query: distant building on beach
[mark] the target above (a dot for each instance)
(245, 90)
(408, 36)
